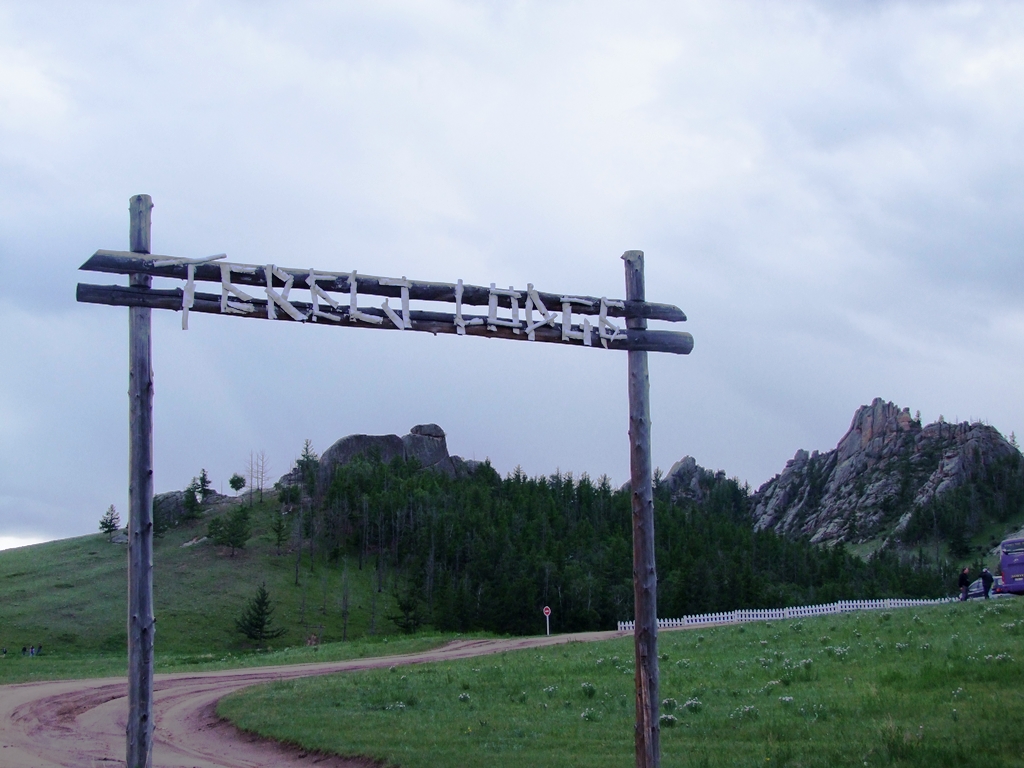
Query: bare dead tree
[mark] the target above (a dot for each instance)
(344, 601)
(251, 471)
(364, 545)
(430, 572)
(373, 612)
(298, 544)
(314, 533)
(380, 551)
(262, 470)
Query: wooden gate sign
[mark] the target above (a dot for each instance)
(338, 299)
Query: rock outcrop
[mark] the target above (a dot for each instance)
(425, 443)
(169, 507)
(886, 465)
(689, 480)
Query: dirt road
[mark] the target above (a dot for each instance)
(81, 723)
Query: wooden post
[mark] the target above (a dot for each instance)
(141, 624)
(645, 577)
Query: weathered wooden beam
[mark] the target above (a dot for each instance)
(673, 342)
(122, 262)
(141, 622)
(645, 577)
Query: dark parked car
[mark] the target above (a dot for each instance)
(976, 590)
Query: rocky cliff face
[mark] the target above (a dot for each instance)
(886, 465)
(426, 443)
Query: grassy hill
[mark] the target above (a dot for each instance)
(474, 554)
(70, 595)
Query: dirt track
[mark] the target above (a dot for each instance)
(81, 723)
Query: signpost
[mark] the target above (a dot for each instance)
(265, 291)
(547, 619)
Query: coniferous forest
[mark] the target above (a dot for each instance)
(483, 552)
(996, 494)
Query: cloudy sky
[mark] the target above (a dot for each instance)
(831, 191)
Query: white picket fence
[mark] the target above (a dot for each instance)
(778, 614)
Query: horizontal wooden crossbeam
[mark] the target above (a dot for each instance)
(631, 339)
(126, 263)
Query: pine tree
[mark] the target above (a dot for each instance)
(110, 522)
(231, 532)
(308, 463)
(191, 501)
(408, 617)
(279, 528)
(238, 529)
(255, 622)
(205, 489)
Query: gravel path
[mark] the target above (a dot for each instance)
(81, 723)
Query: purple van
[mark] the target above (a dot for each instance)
(1011, 564)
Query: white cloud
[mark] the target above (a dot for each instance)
(32, 101)
(832, 193)
(10, 542)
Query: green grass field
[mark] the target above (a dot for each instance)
(935, 686)
(70, 596)
(927, 686)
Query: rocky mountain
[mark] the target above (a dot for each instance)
(425, 443)
(885, 467)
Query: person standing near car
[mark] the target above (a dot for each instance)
(986, 581)
(965, 582)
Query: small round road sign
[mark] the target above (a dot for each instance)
(547, 611)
